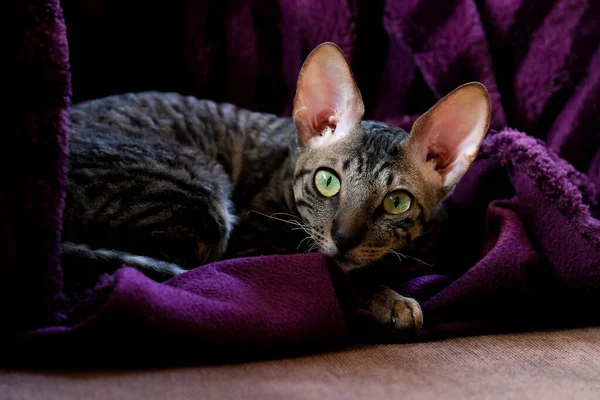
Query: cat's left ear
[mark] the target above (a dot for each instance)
(326, 96)
(447, 137)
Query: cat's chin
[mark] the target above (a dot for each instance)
(348, 266)
(347, 262)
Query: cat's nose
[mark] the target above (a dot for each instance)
(346, 237)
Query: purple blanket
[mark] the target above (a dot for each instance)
(521, 249)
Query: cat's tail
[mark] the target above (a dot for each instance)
(114, 259)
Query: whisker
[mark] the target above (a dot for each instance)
(396, 253)
(287, 214)
(425, 233)
(312, 247)
(305, 228)
(303, 240)
(399, 255)
(275, 218)
(297, 223)
(416, 259)
(300, 227)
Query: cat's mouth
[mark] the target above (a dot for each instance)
(348, 261)
(361, 257)
(355, 258)
(349, 265)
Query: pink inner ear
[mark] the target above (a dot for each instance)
(333, 121)
(438, 152)
(455, 135)
(450, 133)
(327, 96)
(323, 120)
(323, 94)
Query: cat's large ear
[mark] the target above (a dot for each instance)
(326, 96)
(447, 137)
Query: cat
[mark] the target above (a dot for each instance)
(165, 182)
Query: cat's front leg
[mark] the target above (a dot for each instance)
(398, 311)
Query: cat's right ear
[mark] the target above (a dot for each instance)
(328, 102)
(447, 137)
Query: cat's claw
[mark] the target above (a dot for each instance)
(399, 312)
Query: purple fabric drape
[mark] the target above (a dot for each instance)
(521, 249)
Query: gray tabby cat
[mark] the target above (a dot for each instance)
(166, 183)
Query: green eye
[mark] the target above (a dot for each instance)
(327, 183)
(397, 202)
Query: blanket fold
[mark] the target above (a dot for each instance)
(225, 311)
(520, 249)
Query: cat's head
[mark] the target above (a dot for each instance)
(365, 188)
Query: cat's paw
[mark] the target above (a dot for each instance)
(400, 312)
